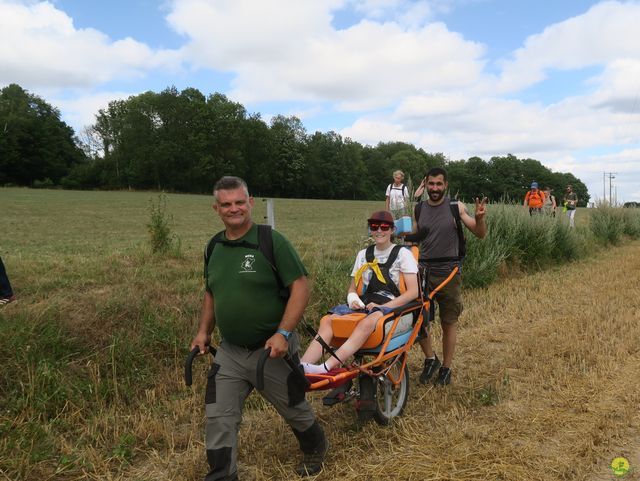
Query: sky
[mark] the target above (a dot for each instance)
(556, 81)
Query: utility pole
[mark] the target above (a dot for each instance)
(611, 175)
(610, 199)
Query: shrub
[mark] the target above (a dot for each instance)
(607, 224)
(631, 221)
(160, 237)
(483, 260)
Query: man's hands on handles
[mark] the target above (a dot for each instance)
(202, 341)
(278, 344)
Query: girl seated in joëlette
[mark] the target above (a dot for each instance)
(379, 296)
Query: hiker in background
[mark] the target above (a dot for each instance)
(534, 199)
(6, 293)
(397, 196)
(438, 229)
(570, 203)
(245, 297)
(549, 207)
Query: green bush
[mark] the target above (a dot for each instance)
(161, 239)
(484, 258)
(607, 224)
(518, 239)
(631, 220)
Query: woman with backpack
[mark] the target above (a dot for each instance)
(397, 196)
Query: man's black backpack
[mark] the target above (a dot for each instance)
(264, 246)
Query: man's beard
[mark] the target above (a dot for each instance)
(435, 196)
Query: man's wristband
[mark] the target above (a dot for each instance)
(286, 334)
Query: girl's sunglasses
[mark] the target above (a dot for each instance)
(383, 227)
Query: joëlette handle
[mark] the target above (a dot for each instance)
(188, 364)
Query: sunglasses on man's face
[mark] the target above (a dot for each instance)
(383, 227)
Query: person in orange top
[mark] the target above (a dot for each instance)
(534, 199)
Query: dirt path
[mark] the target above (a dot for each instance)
(546, 387)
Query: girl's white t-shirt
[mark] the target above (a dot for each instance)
(405, 263)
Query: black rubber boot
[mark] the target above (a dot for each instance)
(314, 446)
(219, 461)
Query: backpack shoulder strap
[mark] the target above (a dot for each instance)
(211, 245)
(393, 255)
(405, 191)
(265, 246)
(368, 254)
(455, 211)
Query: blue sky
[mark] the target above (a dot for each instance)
(558, 81)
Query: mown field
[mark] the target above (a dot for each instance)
(546, 378)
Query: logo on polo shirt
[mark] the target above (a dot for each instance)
(247, 263)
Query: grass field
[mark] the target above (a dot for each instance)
(546, 378)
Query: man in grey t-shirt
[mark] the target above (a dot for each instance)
(439, 253)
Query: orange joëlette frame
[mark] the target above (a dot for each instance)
(325, 381)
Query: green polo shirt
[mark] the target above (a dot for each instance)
(247, 304)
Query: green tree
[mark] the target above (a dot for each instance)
(288, 146)
(34, 143)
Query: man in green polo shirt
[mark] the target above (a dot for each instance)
(244, 299)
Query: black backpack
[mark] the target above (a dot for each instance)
(462, 243)
(264, 246)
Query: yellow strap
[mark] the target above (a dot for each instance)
(374, 267)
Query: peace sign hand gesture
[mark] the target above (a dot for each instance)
(481, 208)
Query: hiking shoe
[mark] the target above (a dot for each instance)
(338, 394)
(430, 367)
(444, 376)
(312, 463)
(6, 300)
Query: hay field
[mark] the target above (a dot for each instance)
(546, 387)
(546, 378)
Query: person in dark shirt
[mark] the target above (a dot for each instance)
(437, 230)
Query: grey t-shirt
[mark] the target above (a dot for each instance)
(441, 235)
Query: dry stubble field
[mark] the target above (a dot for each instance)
(546, 387)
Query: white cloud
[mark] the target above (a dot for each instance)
(619, 88)
(298, 55)
(40, 47)
(371, 131)
(606, 32)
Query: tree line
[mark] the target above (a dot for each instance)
(183, 141)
